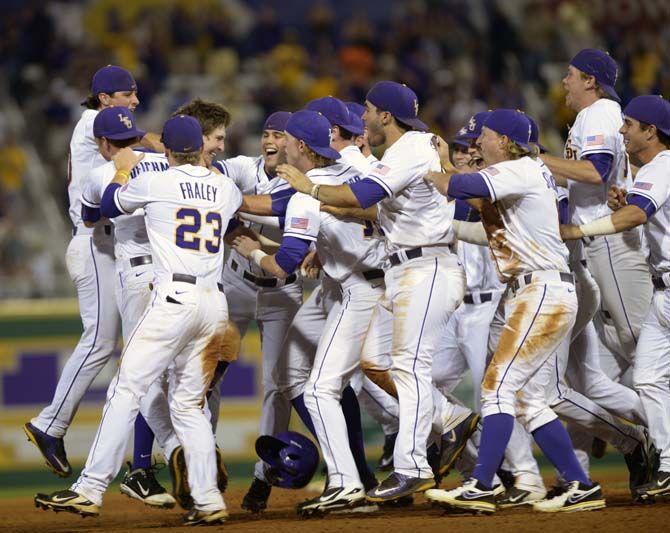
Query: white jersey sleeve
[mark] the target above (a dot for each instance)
(243, 170)
(135, 194)
(502, 184)
(303, 217)
(652, 181)
(94, 186)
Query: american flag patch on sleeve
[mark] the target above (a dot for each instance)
(380, 169)
(595, 140)
(299, 223)
(644, 185)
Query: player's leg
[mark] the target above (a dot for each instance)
(424, 293)
(651, 377)
(449, 363)
(620, 269)
(91, 268)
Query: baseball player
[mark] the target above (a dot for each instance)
(254, 294)
(187, 208)
(90, 263)
(361, 141)
(350, 259)
(425, 283)
(646, 132)
(114, 129)
(540, 311)
(595, 158)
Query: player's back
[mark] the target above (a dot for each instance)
(187, 209)
(522, 223)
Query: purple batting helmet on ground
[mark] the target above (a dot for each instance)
(292, 457)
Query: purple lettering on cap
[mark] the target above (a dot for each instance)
(473, 129)
(314, 130)
(116, 123)
(399, 100)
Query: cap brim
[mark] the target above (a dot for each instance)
(542, 148)
(329, 153)
(353, 128)
(125, 135)
(461, 142)
(413, 123)
(268, 448)
(470, 136)
(610, 91)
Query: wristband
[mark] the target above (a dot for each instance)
(124, 173)
(600, 226)
(257, 256)
(315, 191)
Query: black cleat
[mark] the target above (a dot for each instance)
(454, 441)
(51, 448)
(141, 484)
(256, 498)
(386, 460)
(68, 501)
(205, 518)
(659, 486)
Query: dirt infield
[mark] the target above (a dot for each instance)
(121, 514)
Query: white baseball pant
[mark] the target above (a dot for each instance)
(184, 337)
(90, 263)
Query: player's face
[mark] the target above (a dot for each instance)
(373, 122)
(213, 144)
(461, 157)
(124, 98)
(490, 145)
(634, 137)
(293, 152)
(574, 86)
(273, 145)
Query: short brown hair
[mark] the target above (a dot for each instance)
(516, 151)
(124, 143)
(210, 115)
(318, 160)
(600, 92)
(662, 137)
(190, 158)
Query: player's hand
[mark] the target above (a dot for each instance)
(442, 148)
(311, 265)
(295, 178)
(439, 180)
(616, 198)
(570, 232)
(244, 245)
(126, 160)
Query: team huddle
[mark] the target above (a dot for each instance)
(546, 277)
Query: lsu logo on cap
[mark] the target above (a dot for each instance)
(416, 107)
(125, 121)
(472, 124)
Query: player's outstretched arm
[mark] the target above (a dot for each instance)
(335, 195)
(583, 170)
(369, 213)
(251, 249)
(625, 218)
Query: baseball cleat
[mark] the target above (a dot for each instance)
(514, 497)
(640, 465)
(398, 486)
(205, 518)
(256, 498)
(454, 441)
(386, 460)
(221, 471)
(67, 500)
(659, 486)
(576, 497)
(179, 475)
(471, 496)
(51, 448)
(141, 484)
(333, 499)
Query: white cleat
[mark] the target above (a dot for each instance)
(470, 496)
(576, 497)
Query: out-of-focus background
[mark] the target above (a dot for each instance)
(256, 57)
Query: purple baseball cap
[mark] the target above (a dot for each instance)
(512, 123)
(277, 121)
(535, 134)
(116, 123)
(111, 79)
(399, 100)
(473, 129)
(650, 109)
(182, 134)
(601, 66)
(461, 140)
(355, 108)
(336, 113)
(314, 130)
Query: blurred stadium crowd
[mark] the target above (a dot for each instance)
(256, 57)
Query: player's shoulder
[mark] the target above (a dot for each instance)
(602, 110)
(657, 169)
(230, 165)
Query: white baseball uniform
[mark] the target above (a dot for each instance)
(254, 295)
(353, 259)
(424, 285)
(90, 263)
(187, 209)
(134, 274)
(615, 261)
(651, 368)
